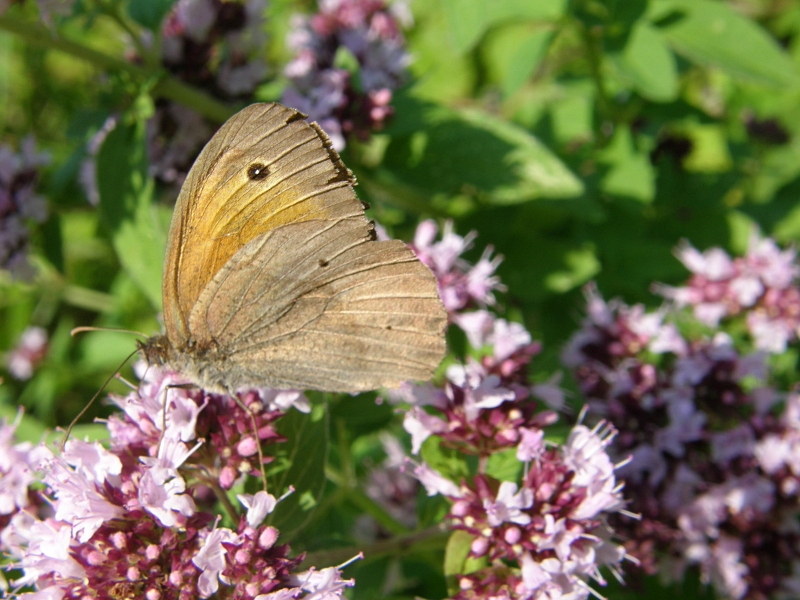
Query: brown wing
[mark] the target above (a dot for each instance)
(264, 168)
(319, 305)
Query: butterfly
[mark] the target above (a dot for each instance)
(273, 276)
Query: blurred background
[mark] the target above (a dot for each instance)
(582, 140)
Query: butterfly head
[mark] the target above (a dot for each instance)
(157, 350)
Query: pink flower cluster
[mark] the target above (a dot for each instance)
(543, 533)
(763, 284)
(215, 46)
(20, 206)
(342, 102)
(137, 521)
(714, 454)
(545, 536)
(461, 285)
(16, 475)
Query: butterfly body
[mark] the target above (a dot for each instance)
(273, 276)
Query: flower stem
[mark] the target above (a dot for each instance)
(365, 503)
(166, 87)
(224, 500)
(427, 539)
(87, 299)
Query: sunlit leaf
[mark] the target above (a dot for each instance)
(125, 205)
(304, 454)
(713, 33)
(479, 155)
(651, 65)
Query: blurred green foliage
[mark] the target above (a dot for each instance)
(581, 139)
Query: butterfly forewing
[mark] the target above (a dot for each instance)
(266, 167)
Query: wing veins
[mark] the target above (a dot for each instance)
(231, 216)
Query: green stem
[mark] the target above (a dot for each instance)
(223, 498)
(167, 87)
(114, 11)
(87, 299)
(427, 539)
(593, 55)
(366, 504)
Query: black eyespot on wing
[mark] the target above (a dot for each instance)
(323, 262)
(257, 171)
(372, 234)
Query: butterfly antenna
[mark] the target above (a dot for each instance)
(86, 328)
(89, 404)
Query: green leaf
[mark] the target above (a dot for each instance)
(631, 174)
(361, 413)
(303, 458)
(475, 154)
(468, 20)
(455, 554)
(438, 70)
(149, 13)
(572, 113)
(651, 64)
(103, 351)
(126, 210)
(632, 177)
(514, 51)
(788, 229)
(714, 34)
(504, 466)
(541, 10)
(449, 463)
(710, 153)
(457, 560)
(580, 265)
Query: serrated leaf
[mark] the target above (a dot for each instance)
(305, 453)
(126, 207)
(713, 33)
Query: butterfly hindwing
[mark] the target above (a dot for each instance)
(338, 312)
